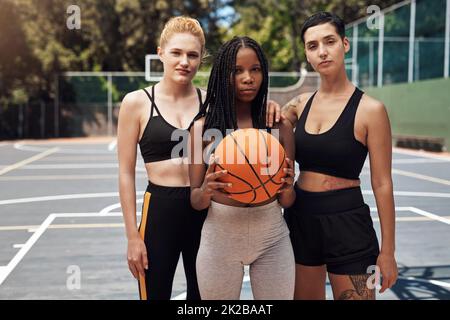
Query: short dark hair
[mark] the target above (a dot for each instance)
(321, 18)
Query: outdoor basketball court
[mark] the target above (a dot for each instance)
(62, 234)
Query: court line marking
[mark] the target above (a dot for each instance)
(413, 209)
(72, 166)
(423, 154)
(421, 176)
(22, 146)
(435, 282)
(420, 212)
(77, 166)
(105, 211)
(417, 160)
(413, 194)
(139, 193)
(59, 177)
(429, 214)
(110, 157)
(28, 160)
(33, 228)
(5, 271)
(411, 175)
(65, 197)
(112, 145)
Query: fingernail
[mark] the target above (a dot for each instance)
(229, 184)
(224, 171)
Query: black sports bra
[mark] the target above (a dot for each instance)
(335, 152)
(156, 143)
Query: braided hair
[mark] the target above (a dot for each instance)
(219, 107)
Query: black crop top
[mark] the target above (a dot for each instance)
(156, 143)
(335, 152)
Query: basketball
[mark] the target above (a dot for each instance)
(254, 160)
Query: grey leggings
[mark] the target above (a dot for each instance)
(233, 237)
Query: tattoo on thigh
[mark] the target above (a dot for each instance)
(360, 291)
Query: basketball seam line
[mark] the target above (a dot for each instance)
(253, 169)
(267, 156)
(251, 186)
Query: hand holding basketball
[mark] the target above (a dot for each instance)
(254, 161)
(288, 180)
(210, 186)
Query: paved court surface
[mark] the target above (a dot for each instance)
(60, 222)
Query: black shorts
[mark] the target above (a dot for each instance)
(333, 228)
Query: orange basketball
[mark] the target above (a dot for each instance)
(254, 160)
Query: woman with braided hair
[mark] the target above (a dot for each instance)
(150, 118)
(236, 234)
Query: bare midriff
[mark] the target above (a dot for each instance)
(169, 172)
(319, 182)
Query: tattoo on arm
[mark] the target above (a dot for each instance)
(291, 106)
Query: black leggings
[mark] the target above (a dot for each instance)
(169, 226)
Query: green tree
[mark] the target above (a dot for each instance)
(276, 24)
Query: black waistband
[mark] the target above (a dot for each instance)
(169, 192)
(328, 201)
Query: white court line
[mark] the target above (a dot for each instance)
(33, 228)
(423, 154)
(417, 160)
(90, 158)
(139, 193)
(59, 177)
(77, 166)
(107, 210)
(18, 246)
(411, 175)
(408, 219)
(63, 197)
(429, 215)
(22, 146)
(414, 194)
(112, 145)
(435, 282)
(181, 296)
(29, 160)
(421, 176)
(72, 166)
(419, 211)
(5, 271)
(81, 226)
